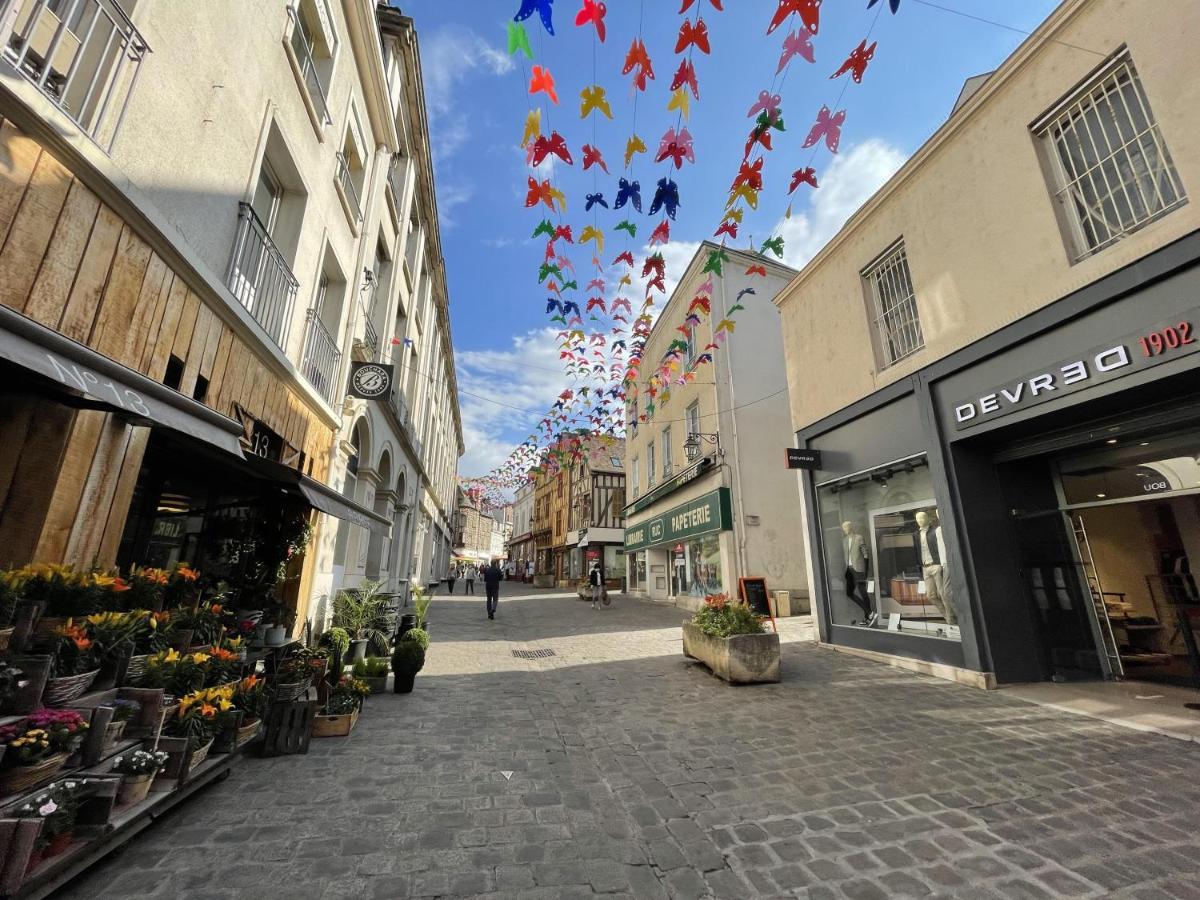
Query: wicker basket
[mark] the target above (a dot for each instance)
(136, 668)
(22, 778)
(60, 691)
(247, 733)
(199, 755)
(286, 693)
(113, 733)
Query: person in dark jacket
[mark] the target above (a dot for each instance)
(491, 581)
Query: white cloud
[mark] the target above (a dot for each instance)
(450, 196)
(498, 242)
(528, 375)
(846, 184)
(449, 56)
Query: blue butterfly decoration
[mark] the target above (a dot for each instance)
(593, 199)
(894, 4)
(628, 193)
(666, 196)
(552, 304)
(544, 9)
(745, 291)
(570, 306)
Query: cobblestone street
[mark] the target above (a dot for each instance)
(615, 767)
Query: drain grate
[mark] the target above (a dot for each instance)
(540, 653)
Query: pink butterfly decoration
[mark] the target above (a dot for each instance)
(829, 127)
(798, 43)
(766, 102)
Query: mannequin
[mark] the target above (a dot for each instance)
(855, 548)
(932, 548)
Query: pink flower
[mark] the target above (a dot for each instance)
(46, 810)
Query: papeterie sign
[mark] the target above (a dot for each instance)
(1124, 356)
(708, 513)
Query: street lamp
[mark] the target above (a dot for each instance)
(691, 447)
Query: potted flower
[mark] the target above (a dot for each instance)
(147, 588)
(56, 808)
(205, 622)
(341, 709)
(176, 673)
(29, 759)
(137, 771)
(374, 672)
(73, 665)
(242, 723)
(278, 620)
(293, 675)
(123, 711)
(408, 659)
(66, 727)
(114, 636)
(223, 666)
(729, 638)
(188, 735)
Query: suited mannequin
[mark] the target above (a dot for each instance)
(932, 548)
(855, 549)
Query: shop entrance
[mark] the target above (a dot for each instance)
(1109, 571)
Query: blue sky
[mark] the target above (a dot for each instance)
(478, 102)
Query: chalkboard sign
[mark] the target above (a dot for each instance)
(754, 592)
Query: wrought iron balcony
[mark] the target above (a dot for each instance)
(260, 277)
(322, 358)
(85, 55)
(347, 186)
(308, 68)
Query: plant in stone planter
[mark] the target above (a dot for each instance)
(137, 771)
(720, 618)
(730, 639)
(374, 672)
(408, 659)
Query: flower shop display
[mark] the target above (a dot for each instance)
(188, 734)
(342, 708)
(137, 770)
(242, 723)
(364, 614)
(37, 747)
(74, 665)
(177, 673)
(374, 672)
(123, 711)
(408, 659)
(204, 621)
(295, 673)
(56, 808)
(728, 637)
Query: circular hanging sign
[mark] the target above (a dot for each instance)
(370, 381)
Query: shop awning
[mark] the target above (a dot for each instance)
(319, 496)
(91, 380)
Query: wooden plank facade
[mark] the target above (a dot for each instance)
(70, 262)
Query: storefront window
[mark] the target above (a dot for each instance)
(704, 558)
(885, 553)
(637, 570)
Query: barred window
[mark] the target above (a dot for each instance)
(1112, 169)
(894, 306)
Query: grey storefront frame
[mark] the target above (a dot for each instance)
(999, 635)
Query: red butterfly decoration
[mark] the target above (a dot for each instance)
(621, 301)
(757, 270)
(678, 146)
(759, 135)
(808, 10)
(592, 157)
(687, 4)
(550, 249)
(543, 81)
(712, 346)
(564, 232)
(728, 227)
(805, 176)
(661, 234)
(539, 192)
(555, 144)
(749, 173)
(594, 12)
(637, 56)
(693, 36)
(856, 62)
(829, 127)
(597, 283)
(626, 257)
(656, 282)
(593, 302)
(654, 264)
(686, 74)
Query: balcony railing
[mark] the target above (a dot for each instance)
(348, 189)
(85, 55)
(308, 68)
(322, 358)
(370, 335)
(260, 277)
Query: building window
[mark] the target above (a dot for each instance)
(897, 324)
(650, 464)
(313, 44)
(691, 345)
(693, 418)
(1111, 168)
(635, 475)
(633, 417)
(666, 452)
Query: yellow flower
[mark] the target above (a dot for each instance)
(172, 656)
(200, 658)
(224, 705)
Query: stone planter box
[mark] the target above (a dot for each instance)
(741, 659)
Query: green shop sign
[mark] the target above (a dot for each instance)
(700, 516)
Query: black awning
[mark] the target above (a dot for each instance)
(319, 496)
(79, 371)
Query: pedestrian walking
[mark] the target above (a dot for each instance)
(508, 570)
(596, 579)
(529, 571)
(451, 577)
(470, 574)
(491, 583)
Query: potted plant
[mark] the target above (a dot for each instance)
(178, 674)
(364, 614)
(123, 711)
(223, 666)
(66, 727)
(421, 601)
(337, 640)
(73, 665)
(205, 622)
(37, 747)
(341, 709)
(374, 672)
(242, 723)
(188, 735)
(137, 771)
(278, 619)
(408, 659)
(57, 808)
(729, 638)
(294, 673)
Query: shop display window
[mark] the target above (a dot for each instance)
(887, 560)
(696, 567)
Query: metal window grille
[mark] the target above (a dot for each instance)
(897, 321)
(302, 46)
(321, 356)
(85, 55)
(260, 277)
(346, 181)
(1113, 169)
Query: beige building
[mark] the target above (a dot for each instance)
(696, 523)
(1002, 340)
(246, 189)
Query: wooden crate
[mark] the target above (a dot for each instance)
(334, 726)
(289, 725)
